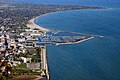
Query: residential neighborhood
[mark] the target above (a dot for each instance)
(19, 56)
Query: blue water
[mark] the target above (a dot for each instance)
(96, 59)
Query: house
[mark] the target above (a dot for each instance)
(24, 59)
(15, 63)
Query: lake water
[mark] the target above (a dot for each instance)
(96, 59)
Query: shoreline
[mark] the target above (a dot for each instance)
(31, 23)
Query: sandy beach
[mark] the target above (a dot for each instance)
(31, 24)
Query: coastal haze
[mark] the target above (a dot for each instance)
(68, 1)
(75, 2)
(96, 59)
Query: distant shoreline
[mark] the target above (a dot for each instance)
(31, 23)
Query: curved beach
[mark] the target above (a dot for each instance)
(31, 24)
